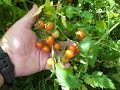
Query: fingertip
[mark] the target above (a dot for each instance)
(35, 7)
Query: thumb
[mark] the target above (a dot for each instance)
(28, 20)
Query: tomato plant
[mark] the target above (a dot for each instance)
(93, 60)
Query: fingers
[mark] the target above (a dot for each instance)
(63, 65)
(28, 20)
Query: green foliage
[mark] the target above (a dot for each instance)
(98, 79)
(99, 50)
(66, 78)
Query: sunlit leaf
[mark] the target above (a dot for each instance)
(49, 8)
(112, 3)
(86, 44)
(101, 24)
(63, 18)
(66, 78)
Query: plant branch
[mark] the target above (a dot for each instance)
(107, 33)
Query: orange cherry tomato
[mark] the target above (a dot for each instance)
(46, 49)
(39, 45)
(50, 62)
(73, 48)
(77, 48)
(49, 26)
(80, 34)
(40, 24)
(57, 46)
(50, 40)
(69, 54)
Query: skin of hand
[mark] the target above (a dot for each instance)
(19, 43)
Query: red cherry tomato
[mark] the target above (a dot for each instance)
(40, 24)
(39, 45)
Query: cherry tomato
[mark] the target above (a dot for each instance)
(49, 26)
(80, 34)
(46, 49)
(39, 45)
(65, 60)
(50, 40)
(73, 48)
(69, 54)
(50, 62)
(77, 48)
(57, 46)
(56, 34)
(40, 24)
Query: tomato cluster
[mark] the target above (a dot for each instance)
(50, 42)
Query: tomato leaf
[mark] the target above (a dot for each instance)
(8, 2)
(98, 79)
(87, 15)
(112, 3)
(86, 44)
(66, 78)
(116, 77)
(69, 11)
(101, 25)
(84, 87)
(49, 8)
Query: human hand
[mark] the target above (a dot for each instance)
(19, 42)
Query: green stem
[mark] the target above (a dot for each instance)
(64, 35)
(107, 33)
(110, 47)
